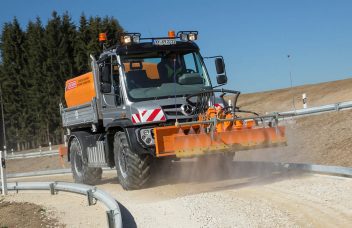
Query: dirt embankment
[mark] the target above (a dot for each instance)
(321, 139)
(23, 214)
(282, 99)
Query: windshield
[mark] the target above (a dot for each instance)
(164, 74)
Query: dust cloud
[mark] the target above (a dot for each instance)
(225, 167)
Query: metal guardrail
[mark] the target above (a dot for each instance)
(39, 173)
(93, 194)
(32, 154)
(48, 172)
(333, 170)
(325, 169)
(319, 109)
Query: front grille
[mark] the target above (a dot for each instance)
(173, 110)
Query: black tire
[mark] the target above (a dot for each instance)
(133, 170)
(80, 170)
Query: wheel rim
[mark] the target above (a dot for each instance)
(122, 163)
(77, 150)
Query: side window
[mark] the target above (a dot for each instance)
(115, 72)
(116, 80)
(105, 76)
(190, 62)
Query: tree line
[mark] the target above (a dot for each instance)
(34, 65)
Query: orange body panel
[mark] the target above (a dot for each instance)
(80, 90)
(62, 150)
(173, 141)
(62, 153)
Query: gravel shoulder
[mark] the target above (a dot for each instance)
(252, 196)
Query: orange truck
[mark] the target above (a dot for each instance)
(151, 99)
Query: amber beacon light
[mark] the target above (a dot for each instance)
(171, 34)
(102, 37)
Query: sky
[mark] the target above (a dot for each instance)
(254, 36)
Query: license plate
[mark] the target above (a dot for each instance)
(162, 42)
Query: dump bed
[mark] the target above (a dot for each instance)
(85, 114)
(80, 96)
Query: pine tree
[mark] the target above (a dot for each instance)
(53, 79)
(35, 54)
(2, 143)
(81, 51)
(14, 82)
(93, 46)
(113, 30)
(34, 66)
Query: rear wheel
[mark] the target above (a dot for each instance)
(133, 170)
(80, 170)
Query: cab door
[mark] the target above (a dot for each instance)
(111, 101)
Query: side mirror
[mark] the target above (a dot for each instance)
(221, 79)
(105, 87)
(220, 65)
(105, 82)
(106, 74)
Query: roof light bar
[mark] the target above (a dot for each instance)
(188, 35)
(128, 38)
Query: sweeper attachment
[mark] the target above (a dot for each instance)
(219, 128)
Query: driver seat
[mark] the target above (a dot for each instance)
(166, 65)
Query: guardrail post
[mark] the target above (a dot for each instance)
(304, 100)
(3, 173)
(5, 152)
(90, 197)
(111, 220)
(52, 188)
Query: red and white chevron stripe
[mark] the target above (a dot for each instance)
(136, 118)
(219, 105)
(151, 115)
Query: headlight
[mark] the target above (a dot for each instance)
(136, 39)
(183, 37)
(188, 35)
(147, 136)
(192, 36)
(126, 39)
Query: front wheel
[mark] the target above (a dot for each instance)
(133, 170)
(80, 170)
